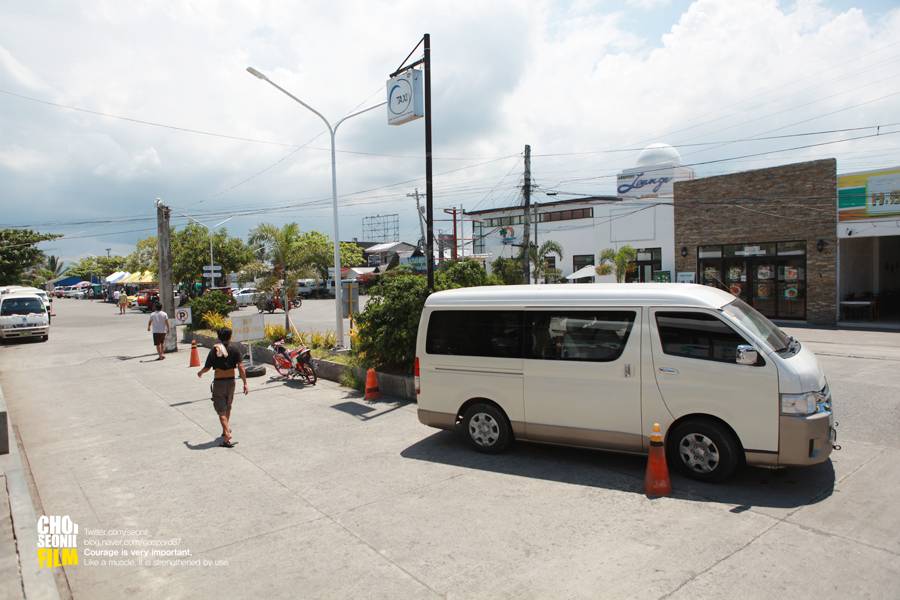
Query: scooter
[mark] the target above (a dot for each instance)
(270, 305)
(293, 363)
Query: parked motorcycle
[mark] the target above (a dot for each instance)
(294, 363)
(270, 304)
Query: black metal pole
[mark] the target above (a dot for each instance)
(429, 191)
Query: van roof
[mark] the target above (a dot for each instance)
(22, 294)
(673, 294)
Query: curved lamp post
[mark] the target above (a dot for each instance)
(332, 129)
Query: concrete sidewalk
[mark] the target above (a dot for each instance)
(327, 496)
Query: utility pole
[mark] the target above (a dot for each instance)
(107, 252)
(164, 249)
(419, 214)
(429, 188)
(453, 254)
(526, 230)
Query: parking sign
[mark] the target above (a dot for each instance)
(183, 316)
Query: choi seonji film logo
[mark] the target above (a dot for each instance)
(57, 541)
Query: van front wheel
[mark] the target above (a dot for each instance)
(486, 428)
(703, 450)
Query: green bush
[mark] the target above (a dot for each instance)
(389, 324)
(508, 271)
(214, 302)
(461, 274)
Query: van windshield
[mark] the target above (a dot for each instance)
(758, 324)
(21, 306)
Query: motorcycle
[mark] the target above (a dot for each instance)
(270, 305)
(293, 363)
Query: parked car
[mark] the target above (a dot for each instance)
(245, 296)
(60, 290)
(597, 365)
(306, 287)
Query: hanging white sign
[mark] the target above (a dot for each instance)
(404, 97)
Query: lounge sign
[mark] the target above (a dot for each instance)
(642, 185)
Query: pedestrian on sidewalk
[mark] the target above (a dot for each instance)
(224, 357)
(159, 323)
(123, 301)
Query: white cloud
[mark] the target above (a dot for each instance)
(562, 77)
(648, 4)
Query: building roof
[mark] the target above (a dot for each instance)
(588, 294)
(386, 247)
(586, 199)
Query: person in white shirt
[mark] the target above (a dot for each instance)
(159, 323)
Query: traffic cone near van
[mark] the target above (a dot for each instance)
(371, 385)
(195, 355)
(656, 479)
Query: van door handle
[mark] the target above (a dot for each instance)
(668, 370)
(627, 370)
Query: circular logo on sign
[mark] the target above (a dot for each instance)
(400, 97)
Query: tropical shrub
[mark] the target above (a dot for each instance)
(273, 333)
(214, 302)
(215, 321)
(461, 274)
(389, 324)
(508, 271)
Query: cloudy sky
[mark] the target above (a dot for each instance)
(162, 94)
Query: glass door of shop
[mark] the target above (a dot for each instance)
(770, 277)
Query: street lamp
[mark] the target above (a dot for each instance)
(209, 233)
(332, 129)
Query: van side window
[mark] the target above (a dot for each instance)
(697, 335)
(598, 336)
(493, 333)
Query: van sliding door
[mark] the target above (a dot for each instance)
(583, 377)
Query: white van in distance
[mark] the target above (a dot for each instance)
(22, 315)
(597, 365)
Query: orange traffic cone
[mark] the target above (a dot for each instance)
(656, 479)
(195, 355)
(371, 385)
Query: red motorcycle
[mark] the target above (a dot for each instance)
(271, 304)
(294, 363)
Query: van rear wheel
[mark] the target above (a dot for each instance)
(486, 428)
(703, 450)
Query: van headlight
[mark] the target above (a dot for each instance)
(799, 404)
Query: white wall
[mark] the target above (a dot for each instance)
(639, 223)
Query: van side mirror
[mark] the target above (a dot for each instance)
(746, 355)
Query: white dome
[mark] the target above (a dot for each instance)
(658, 154)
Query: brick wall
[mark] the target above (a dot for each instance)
(785, 203)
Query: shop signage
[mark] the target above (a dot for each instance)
(633, 185)
(662, 276)
(869, 196)
(507, 235)
(404, 97)
(685, 277)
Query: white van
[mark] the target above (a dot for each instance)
(595, 365)
(23, 315)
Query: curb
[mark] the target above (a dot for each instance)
(37, 583)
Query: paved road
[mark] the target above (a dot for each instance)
(328, 496)
(313, 315)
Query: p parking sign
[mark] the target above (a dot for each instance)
(183, 316)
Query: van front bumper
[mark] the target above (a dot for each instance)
(805, 440)
(10, 333)
(802, 441)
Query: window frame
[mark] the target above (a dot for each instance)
(675, 310)
(528, 349)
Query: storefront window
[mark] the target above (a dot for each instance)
(769, 276)
(791, 248)
(648, 261)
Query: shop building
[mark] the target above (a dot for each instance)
(767, 236)
(868, 230)
(639, 215)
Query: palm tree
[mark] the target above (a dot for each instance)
(55, 266)
(620, 261)
(538, 258)
(280, 248)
